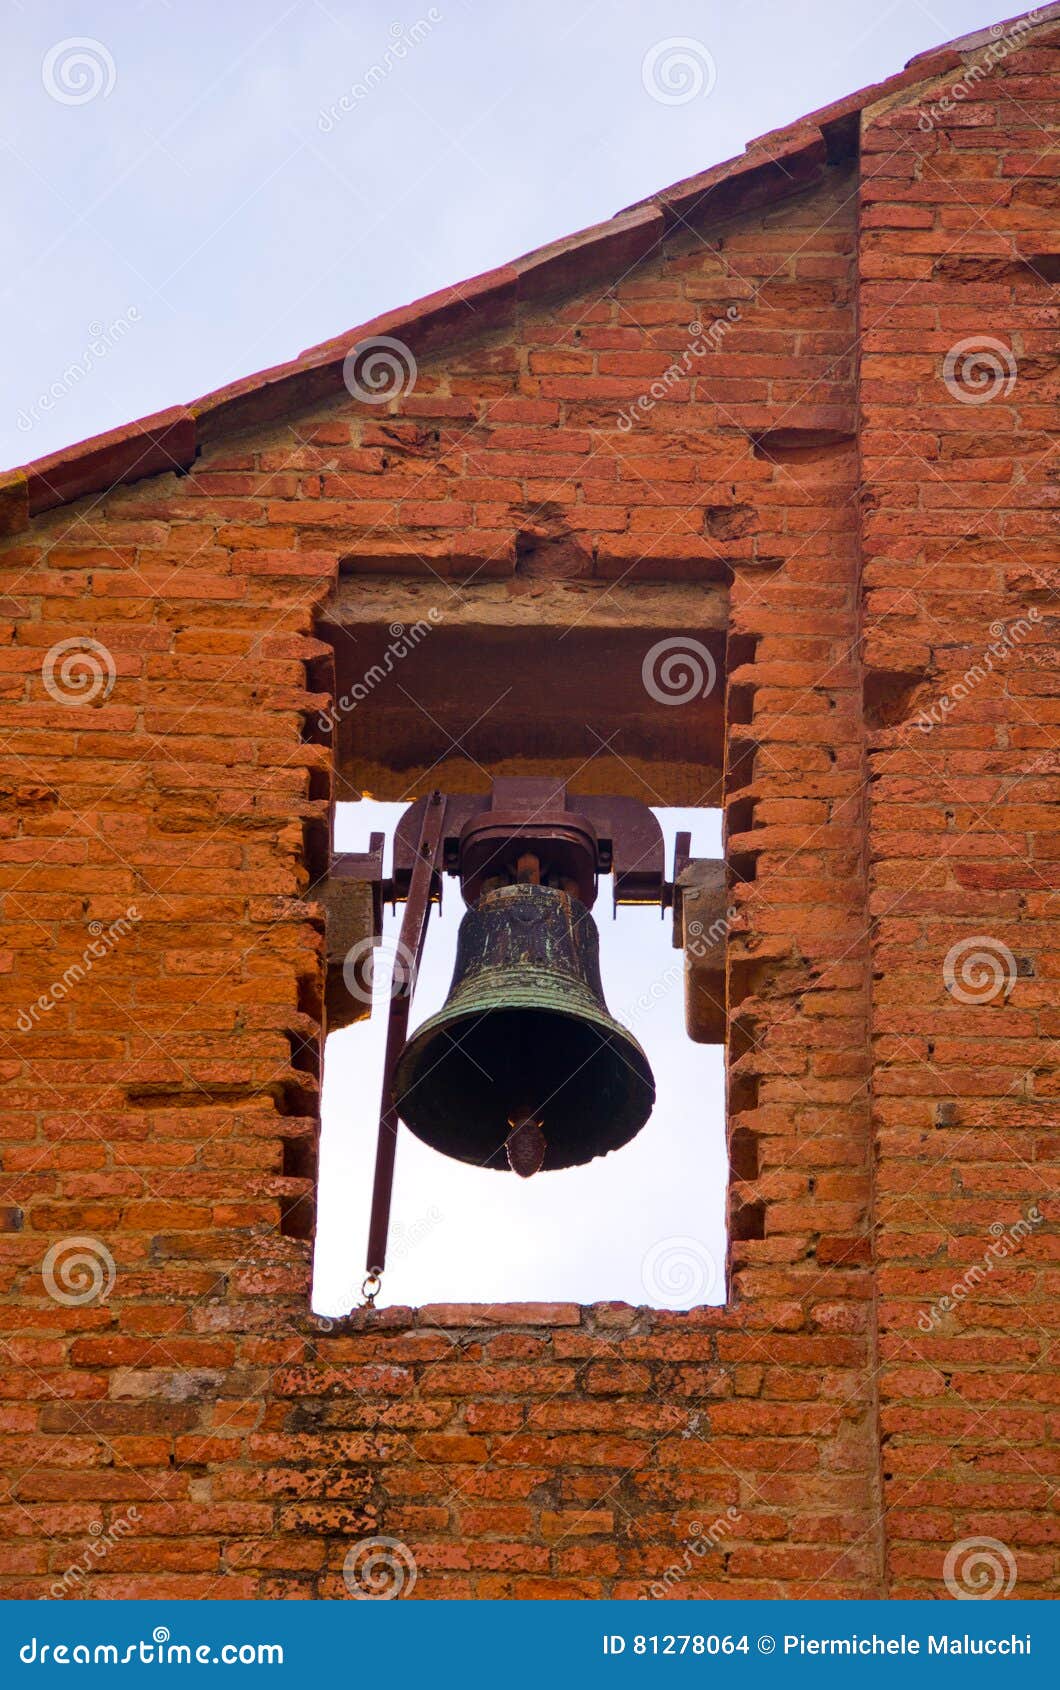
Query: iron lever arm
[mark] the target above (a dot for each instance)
(406, 966)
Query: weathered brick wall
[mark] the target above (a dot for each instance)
(960, 606)
(198, 1422)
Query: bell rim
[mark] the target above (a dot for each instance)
(640, 1068)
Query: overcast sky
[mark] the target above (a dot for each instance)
(186, 201)
(195, 191)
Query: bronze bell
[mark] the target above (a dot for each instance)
(524, 1067)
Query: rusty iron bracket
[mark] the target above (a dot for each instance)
(674, 895)
(583, 837)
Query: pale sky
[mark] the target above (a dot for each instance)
(186, 201)
(179, 213)
(645, 1224)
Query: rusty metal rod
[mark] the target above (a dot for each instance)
(406, 965)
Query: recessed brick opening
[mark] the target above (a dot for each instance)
(573, 700)
(470, 700)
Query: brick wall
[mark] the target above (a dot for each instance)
(195, 1423)
(960, 604)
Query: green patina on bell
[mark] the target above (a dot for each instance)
(524, 1067)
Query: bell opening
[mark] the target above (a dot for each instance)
(643, 1226)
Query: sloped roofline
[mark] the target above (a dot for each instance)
(777, 164)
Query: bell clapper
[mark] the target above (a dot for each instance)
(525, 1143)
